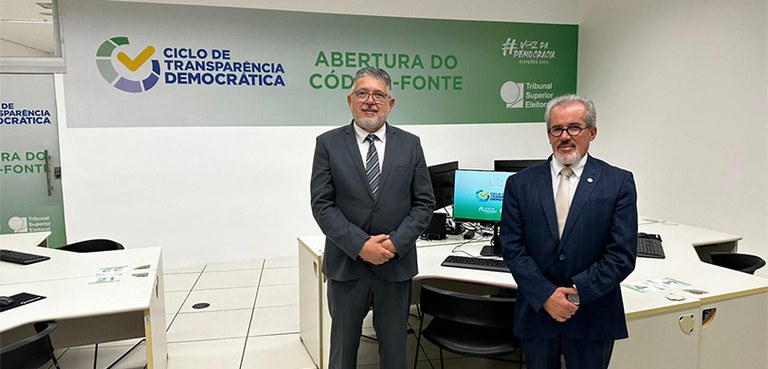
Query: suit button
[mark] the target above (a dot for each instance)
(561, 257)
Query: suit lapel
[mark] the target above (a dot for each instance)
(589, 179)
(354, 152)
(547, 198)
(390, 151)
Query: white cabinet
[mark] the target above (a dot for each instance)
(665, 340)
(736, 334)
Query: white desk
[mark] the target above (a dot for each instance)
(87, 313)
(11, 241)
(735, 338)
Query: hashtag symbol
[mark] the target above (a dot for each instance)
(507, 46)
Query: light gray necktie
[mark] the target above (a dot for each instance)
(372, 170)
(563, 198)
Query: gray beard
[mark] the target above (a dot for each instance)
(370, 125)
(567, 159)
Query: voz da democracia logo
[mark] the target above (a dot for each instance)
(126, 67)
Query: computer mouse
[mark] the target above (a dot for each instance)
(5, 301)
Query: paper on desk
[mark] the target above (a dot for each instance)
(109, 274)
(112, 270)
(105, 279)
(656, 284)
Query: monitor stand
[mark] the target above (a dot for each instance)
(494, 249)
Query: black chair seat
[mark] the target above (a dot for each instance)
(467, 324)
(742, 262)
(96, 245)
(471, 340)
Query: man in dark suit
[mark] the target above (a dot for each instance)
(569, 236)
(372, 198)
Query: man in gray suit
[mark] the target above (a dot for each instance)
(372, 198)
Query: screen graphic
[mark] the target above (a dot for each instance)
(478, 195)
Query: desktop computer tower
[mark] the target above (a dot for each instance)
(436, 228)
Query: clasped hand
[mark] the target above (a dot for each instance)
(558, 306)
(378, 249)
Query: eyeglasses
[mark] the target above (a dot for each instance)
(378, 96)
(572, 130)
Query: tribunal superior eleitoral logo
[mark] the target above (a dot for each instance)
(136, 73)
(511, 93)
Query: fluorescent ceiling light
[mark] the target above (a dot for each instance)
(28, 21)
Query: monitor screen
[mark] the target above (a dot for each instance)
(442, 183)
(515, 165)
(478, 195)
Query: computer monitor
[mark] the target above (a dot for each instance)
(515, 165)
(442, 183)
(478, 195)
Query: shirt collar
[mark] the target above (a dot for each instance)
(577, 167)
(361, 134)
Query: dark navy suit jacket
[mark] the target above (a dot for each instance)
(345, 209)
(597, 250)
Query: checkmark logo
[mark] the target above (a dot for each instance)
(105, 62)
(135, 63)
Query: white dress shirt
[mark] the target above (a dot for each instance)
(380, 144)
(556, 167)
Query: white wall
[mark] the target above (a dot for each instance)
(681, 95)
(221, 194)
(546, 11)
(680, 88)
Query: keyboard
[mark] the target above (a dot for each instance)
(650, 247)
(494, 265)
(19, 257)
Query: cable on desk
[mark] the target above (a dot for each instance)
(647, 221)
(457, 250)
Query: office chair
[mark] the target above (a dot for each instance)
(468, 325)
(98, 245)
(742, 262)
(93, 246)
(31, 352)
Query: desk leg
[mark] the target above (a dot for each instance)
(310, 304)
(314, 318)
(325, 321)
(154, 326)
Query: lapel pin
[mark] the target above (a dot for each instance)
(590, 180)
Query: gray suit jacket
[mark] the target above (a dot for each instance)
(345, 210)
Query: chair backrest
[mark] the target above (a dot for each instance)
(95, 245)
(742, 262)
(31, 352)
(467, 308)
